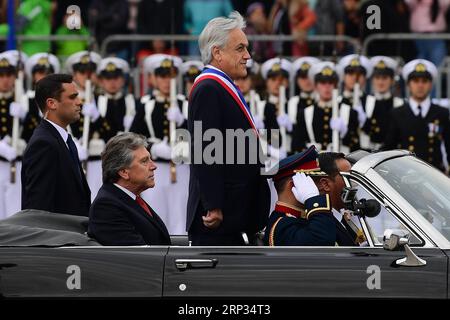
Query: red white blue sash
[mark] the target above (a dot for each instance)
(230, 87)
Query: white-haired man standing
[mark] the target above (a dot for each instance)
(226, 199)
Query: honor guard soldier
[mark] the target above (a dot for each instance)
(276, 72)
(250, 95)
(37, 66)
(82, 66)
(159, 114)
(315, 122)
(420, 126)
(305, 98)
(113, 114)
(354, 70)
(11, 106)
(189, 71)
(302, 215)
(379, 105)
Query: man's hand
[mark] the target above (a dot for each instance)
(304, 187)
(213, 219)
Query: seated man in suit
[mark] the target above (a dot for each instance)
(118, 215)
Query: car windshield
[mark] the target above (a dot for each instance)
(424, 187)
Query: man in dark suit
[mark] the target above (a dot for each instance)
(226, 199)
(348, 231)
(52, 177)
(118, 215)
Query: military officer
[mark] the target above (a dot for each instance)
(315, 122)
(189, 71)
(378, 105)
(305, 98)
(276, 73)
(420, 126)
(302, 216)
(36, 67)
(83, 65)
(153, 120)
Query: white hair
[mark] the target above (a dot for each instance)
(216, 32)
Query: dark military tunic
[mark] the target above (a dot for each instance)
(32, 119)
(270, 119)
(423, 136)
(322, 130)
(377, 124)
(6, 121)
(160, 123)
(289, 226)
(347, 98)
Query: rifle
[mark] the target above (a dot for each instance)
(18, 93)
(173, 127)
(281, 111)
(335, 114)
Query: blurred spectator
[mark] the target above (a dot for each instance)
(66, 48)
(394, 19)
(108, 17)
(34, 18)
(302, 18)
(352, 23)
(428, 16)
(330, 21)
(257, 25)
(197, 13)
(279, 24)
(166, 19)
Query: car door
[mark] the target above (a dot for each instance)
(339, 272)
(82, 271)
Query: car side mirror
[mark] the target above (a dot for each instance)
(395, 239)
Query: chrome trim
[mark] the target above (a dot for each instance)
(374, 159)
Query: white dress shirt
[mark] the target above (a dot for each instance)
(128, 192)
(425, 106)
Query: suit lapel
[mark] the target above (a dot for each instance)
(155, 220)
(344, 233)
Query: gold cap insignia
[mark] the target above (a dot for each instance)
(85, 59)
(193, 70)
(420, 67)
(327, 71)
(381, 65)
(305, 66)
(4, 63)
(355, 63)
(275, 67)
(166, 63)
(110, 67)
(43, 61)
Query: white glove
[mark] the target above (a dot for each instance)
(127, 121)
(6, 151)
(161, 150)
(275, 153)
(82, 151)
(339, 125)
(90, 110)
(362, 117)
(304, 187)
(284, 121)
(259, 123)
(174, 114)
(16, 110)
(181, 152)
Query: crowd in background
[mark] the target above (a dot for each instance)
(300, 18)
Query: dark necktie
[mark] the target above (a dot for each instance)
(74, 154)
(143, 205)
(419, 107)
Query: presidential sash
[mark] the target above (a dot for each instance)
(222, 79)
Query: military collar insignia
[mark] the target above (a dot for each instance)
(290, 210)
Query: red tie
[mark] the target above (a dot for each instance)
(144, 206)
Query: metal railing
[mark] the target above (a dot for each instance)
(184, 38)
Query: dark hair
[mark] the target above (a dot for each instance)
(51, 86)
(327, 162)
(280, 185)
